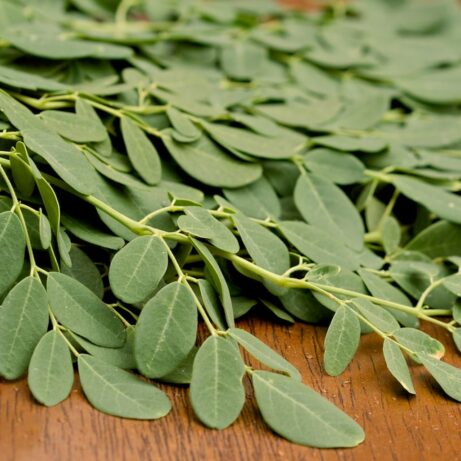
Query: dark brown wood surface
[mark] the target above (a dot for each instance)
(398, 427)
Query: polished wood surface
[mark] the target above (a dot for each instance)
(398, 427)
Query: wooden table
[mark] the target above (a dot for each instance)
(398, 427)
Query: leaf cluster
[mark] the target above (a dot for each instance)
(169, 163)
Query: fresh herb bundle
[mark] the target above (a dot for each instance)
(165, 162)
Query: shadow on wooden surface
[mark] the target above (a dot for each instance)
(397, 426)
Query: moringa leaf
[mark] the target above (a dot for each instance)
(315, 421)
(12, 248)
(257, 200)
(136, 269)
(443, 203)
(448, 376)
(314, 243)
(207, 163)
(396, 364)
(117, 392)
(200, 223)
(217, 279)
(23, 321)
(341, 341)
(79, 309)
(51, 374)
(324, 205)
(141, 152)
(216, 391)
(263, 353)
(166, 331)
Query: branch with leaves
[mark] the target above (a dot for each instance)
(219, 156)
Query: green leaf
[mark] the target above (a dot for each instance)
(396, 364)
(377, 315)
(275, 309)
(264, 247)
(23, 179)
(318, 246)
(211, 303)
(302, 305)
(242, 60)
(216, 391)
(263, 353)
(88, 233)
(182, 374)
(338, 167)
(63, 157)
(141, 152)
(136, 270)
(206, 162)
(118, 392)
(457, 338)
(379, 288)
(44, 231)
(448, 376)
(79, 127)
(121, 357)
(453, 283)
(430, 133)
(200, 223)
(182, 124)
(258, 200)
(49, 42)
(217, 279)
(299, 115)
(314, 78)
(23, 321)
(363, 112)
(437, 86)
(419, 342)
(341, 341)
(324, 205)
(352, 144)
(26, 80)
(84, 270)
(51, 203)
(12, 247)
(254, 144)
(302, 416)
(390, 234)
(166, 331)
(51, 374)
(439, 240)
(444, 204)
(242, 305)
(80, 310)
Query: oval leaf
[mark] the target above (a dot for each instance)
(136, 270)
(166, 331)
(12, 247)
(23, 321)
(397, 365)
(51, 374)
(118, 392)
(341, 341)
(80, 310)
(299, 414)
(263, 353)
(324, 205)
(216, 390)
(141, 152)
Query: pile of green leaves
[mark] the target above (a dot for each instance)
(165, 162)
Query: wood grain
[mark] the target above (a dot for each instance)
(421, 428)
